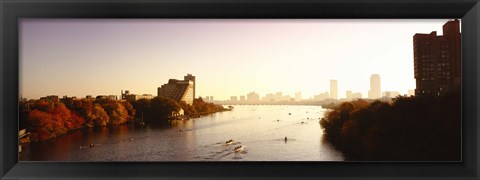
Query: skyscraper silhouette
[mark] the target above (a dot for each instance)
(333, 89)
(375, 91)
(437, 66)
(190, 77)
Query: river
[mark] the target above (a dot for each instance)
(260, 128)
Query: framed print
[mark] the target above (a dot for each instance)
(223, 89)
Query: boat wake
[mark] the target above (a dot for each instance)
(219, 151)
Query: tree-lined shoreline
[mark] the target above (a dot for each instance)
(407, 129)
(46, 119)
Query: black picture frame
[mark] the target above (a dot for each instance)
(12, 10)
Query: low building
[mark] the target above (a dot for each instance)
(51, 98)
(69, 98)
(112, 97)
(253, 97)
(353, 95)
(390, 94)
(102, 97)
(321, 96)
(134, 97)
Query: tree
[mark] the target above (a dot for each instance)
(129, 107)
(409, 128)
(45, 125)
(162, 108)
(99, 116)
(188, 110)
(40, 125)
(142, 107)
(117, 112)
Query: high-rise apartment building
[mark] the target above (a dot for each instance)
(437, 66)
(375, 91)
(179, 90)
(191, 78)
(333, 89)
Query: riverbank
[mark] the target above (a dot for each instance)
(407, 129)
(200, 139)
(198, 115)
(46, 119)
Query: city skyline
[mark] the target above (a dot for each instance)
(375, 83)
(228, 57)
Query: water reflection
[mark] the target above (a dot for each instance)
(261, 129)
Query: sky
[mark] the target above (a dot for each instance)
(229, 57)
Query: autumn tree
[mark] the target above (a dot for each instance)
(409, 128)
(129, 107)
(48, 120)
(99, 117)
(117, 112)
(188, 109)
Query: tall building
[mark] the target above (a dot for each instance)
(242, 98)
(437, 66)
(233, 98)
(333, 89)
(191, 78)
(179, 90)
(375, 91)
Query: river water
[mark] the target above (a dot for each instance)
(260, 128)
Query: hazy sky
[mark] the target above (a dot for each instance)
(79, 57)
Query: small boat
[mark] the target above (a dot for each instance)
(142, 123)
(22, 133)
(289, 113)
(229, 142)
(239, 148)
